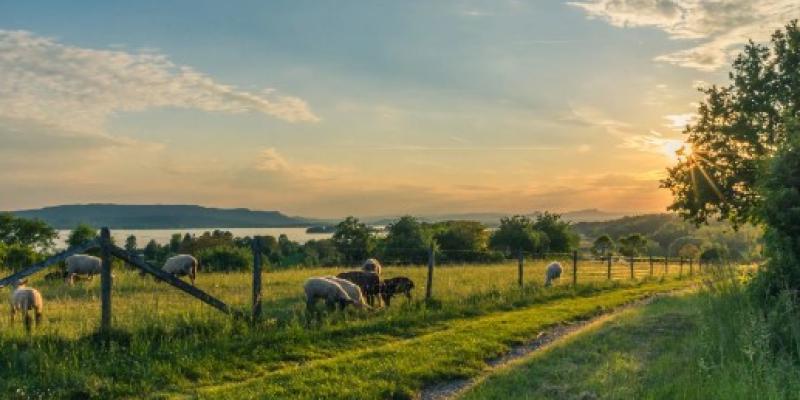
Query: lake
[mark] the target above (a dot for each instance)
(162, 236)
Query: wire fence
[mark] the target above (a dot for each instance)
(267, 294)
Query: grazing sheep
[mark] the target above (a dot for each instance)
(82, 264)
(397, 285)
(372, 265)
(322, 288)
(23, 299)
(352, 290)
(369, 282)
(180, 265)
(553, 271)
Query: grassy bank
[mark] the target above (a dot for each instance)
(458, 348)
(167, 343)
(707, 345)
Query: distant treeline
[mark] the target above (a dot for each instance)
(408, 240)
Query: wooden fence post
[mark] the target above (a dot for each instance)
(575, 268)
(256, 278)
(691, 266)
(680, 271)
(609, 266)
(105, 280)
(428, 287)
(520, 266)
(651, 265)
(633, 276)
(666, 265)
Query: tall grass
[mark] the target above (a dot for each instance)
(716, 343)
(165, 340)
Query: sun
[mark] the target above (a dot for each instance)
(675, 149)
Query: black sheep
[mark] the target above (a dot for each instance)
(369, 282)
(394, 286)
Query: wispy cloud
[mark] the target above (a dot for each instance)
(678, 122)
(79, 89)
(718, 27)
(653, 142)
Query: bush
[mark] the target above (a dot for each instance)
(225, 259)
(17, 256)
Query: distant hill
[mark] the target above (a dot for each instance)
(121, 216)
(492, 219)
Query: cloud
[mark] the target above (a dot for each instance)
(678, 122)
(78, 89)
(718, 27)
(654, 142)
(271, 160)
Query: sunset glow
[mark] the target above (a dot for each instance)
(442, 107)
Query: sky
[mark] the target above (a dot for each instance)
(334, 108)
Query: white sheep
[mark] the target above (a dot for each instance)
(322, 288)
(353, 291)
(82, 264)
(372, 265)
(23, 299)
(180, 265)
(553, 271)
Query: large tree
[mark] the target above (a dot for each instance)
(742, 161)
(354, 240)
(518, 234)
(560, 237)
(408, 241)
(738, 129)
(33, 233)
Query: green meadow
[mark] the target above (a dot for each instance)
(166, 344)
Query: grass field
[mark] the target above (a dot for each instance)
(167, 344)
(700, 345)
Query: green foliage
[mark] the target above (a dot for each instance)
(407, 241)
(130, 244)
(714, 255)
(738, 128)
(689, 250)
(175, 242)
(321, 253)
(560, 237)
(26, 232)
(354, 240)
(225, 259)
(17, 256)
(781, 213)
(81, 234)
(632, 245)
(462, 241)
(603, 246)
(517, 233)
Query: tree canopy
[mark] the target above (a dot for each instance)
(517, 233)
(738, 129)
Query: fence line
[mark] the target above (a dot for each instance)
(109, 251)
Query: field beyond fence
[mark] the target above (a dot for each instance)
(74, 311)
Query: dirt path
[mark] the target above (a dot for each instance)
(544, 340)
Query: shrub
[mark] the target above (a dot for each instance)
(225, 259)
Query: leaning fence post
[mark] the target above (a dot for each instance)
(256, 278)
(609, 266)
(651, 265)
(632, 274)
(428, 287)
(574, 267)
(520, 266)
(105, 280)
